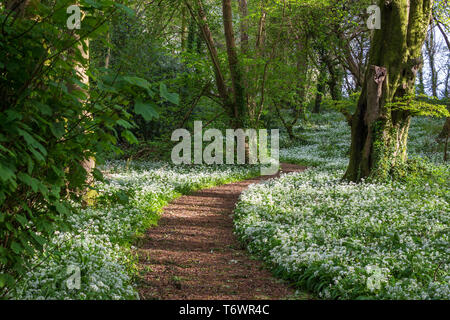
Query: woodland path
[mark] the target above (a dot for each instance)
(193, 253)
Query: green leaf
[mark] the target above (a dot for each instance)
(6, 173)
(58, 130)
(29, 181)
(38, 238)
(146, 110)
(32, 141)
(23, 221)
(43, 108)
(98, 175)
(37, 155)
(171, 97)
(131, 138)
(125, 124)
(61, 208)
(125, 9)
(139, 82)
(6, 280)
(94, 4)
(16, 247)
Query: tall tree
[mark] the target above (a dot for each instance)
(380, 132)
(445, 132)
(239, 101)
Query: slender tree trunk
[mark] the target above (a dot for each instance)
(239, 101)
(88, 164)
(260, 37)
(320, 87)
(18, 6)
(351, 63)
(445, 132)
(446, 129)
(108, 50)
(212, 50)
(243, 10)
(430, 46)
(302, 77)
(234, 104)
(379, 134)
(421, 85)
(243, 18)
(184, 29)
(335, 81)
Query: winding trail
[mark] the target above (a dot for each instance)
(193, 253)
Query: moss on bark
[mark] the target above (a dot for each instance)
(379, 134)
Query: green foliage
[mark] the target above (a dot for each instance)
(419, 171)
(421, 105)
(52, 121)
(345, 105)
(327, 236)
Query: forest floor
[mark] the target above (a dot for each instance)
(193, 253)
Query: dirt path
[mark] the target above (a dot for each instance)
(193, 253)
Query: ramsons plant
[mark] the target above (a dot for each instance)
(100, 239)
(330, 237)
(344, 240)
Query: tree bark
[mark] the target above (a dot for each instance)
(239, 101)
(184, 29)
(430, 47)
(379, 134)
(18, 6)
(243, 10)
(446, 129)
(207, 36)
(320, 87)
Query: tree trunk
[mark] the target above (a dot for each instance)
(239, 101)
(234, 104)
(18, 6)
(261, 30)
(379, 134)
(335, 81)
(446, 129)
(430, 46)
(320, 87)
(212, 50)
(421, 85)
(184, 29)
(243, 10)
(108, 50)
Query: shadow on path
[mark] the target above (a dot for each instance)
(193, 253)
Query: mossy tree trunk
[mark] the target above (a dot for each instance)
(239, 96)
(379, 134)
(321, 80)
